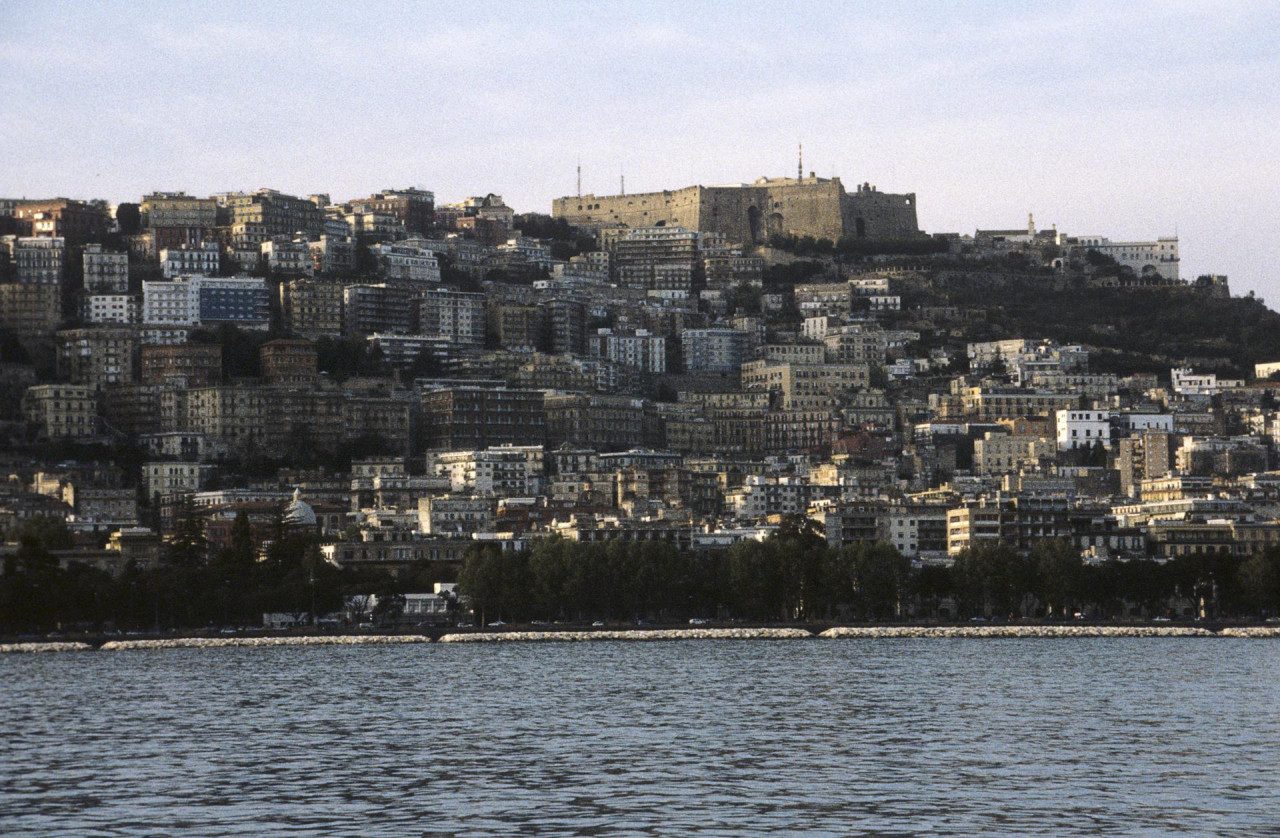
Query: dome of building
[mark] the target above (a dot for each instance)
(299, 513)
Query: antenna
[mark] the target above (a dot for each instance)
(623, 178)
(800, 163)
(579, 177)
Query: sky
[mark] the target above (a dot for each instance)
(1129, 120)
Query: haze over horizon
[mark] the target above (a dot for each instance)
(1130, 122)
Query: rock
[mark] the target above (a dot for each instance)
(1251, 631)
(1015, 631)
(20, 648)
(220, 642)
(638, 635)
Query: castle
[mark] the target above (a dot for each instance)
(751, 212)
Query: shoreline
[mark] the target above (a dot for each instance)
(1047, 632)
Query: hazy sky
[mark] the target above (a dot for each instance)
(1129, 120)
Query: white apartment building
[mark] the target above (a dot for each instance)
(170, 303)
(870, 286)
(640, 350)
(191, 260)
(456, 514)
(192, 300)
(509, 470)
(166, 479)
(714, 350)
(886, 302)
(336, 226)
(105, 271)
(163, 335)
(1186, 382)
(407, 260)
(112, 308)
(333, 253)
(288, 256)
(37, 260)
(459, 315)
(528, 251)
(592, 267)
(1083, 428)
(1136, 423)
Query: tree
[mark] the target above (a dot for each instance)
(50, 532)
(991, 578)
(1057, 575)
(555, 578)
(129, 217)
(1260, 582)
(495, 581)
(235, 564)
(930, 585)
(805, 562)
(389, 610)
(187, 547)
(875, 578)
(755, 580)
(743, 298)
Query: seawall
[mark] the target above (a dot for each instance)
(223, 642)
(1016, 631)
(642, 635)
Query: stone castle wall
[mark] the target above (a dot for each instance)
(678, 208)
(752, 212)
(882, 215)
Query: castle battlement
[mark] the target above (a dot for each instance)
(750, 213)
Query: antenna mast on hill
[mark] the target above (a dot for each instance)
(579, 177)
(623, 178)
(800, 163)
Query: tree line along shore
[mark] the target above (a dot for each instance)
(792, 576)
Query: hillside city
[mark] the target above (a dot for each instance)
(773, 401)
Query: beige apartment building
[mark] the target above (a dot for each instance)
(61, 411)
(98, 358)
(1002, 453)
(312, 308)
(805, 386)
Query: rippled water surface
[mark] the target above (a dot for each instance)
(840, 737)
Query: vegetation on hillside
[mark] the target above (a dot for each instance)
(1140, 329)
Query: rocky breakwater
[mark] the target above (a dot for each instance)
(1015, 631)
(637, 635)
(1251, 631)
(21, 648)
(258, 642)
